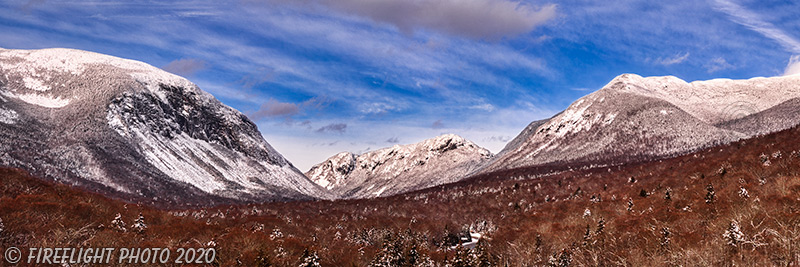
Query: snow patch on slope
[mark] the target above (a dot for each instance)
(40, 100)
(333, 172)
(8, 116)
(35, 84)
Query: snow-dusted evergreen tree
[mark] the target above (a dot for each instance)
(601, 225)
(587, 236)
(665, 237)
(276, 234)
(710, 195)
(391, 254)
(118, 223)
(743, 192)
(461, 258)
(413, 256)
(138, 225)
(561, 259)
(480, 256)
(309, 259)
(733, 235)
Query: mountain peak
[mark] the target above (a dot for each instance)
(635, 118)
(648, 86)
(399, 168)
(333, 171)
(128, 129)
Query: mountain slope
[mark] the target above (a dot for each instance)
(128, 129)
(400, 168)
(636, 119)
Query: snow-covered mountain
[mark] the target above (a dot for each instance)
(128, 129)
(400, 168)
(635, 119)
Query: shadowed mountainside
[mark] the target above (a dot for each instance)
(130, 130)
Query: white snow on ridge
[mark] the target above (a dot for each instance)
(71, 61)
(670, 115)
(76, 62)
(40, 100)
(234, 163)
(8, 116)
(399, 168)
(716, 100)
(202, 164)
(379, 192)
(35, 84)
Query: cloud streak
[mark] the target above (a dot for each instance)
(793, 67)
(752, 21)
(718, 64)
(678, 58)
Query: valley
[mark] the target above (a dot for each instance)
(732, 204)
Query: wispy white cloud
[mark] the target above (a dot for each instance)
(793, 67)
(485, 107)
(676, 59)
(406, 60)
(385, 83)
(376, 108)
(489, 130)
(718, 64)
(754, 22)
(497, 138)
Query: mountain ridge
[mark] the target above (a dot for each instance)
(674, 105)
(134, 131)
(400, 168)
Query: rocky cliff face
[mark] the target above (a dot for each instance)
(400, 168)
(130, 130)
(637, 119)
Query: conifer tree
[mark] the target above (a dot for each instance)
(309, 259)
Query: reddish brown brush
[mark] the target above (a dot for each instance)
(617, 215)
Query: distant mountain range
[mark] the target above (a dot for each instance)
(400, 168)
(129, 130)
(634, 119)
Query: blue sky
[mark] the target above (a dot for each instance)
(325, 76)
